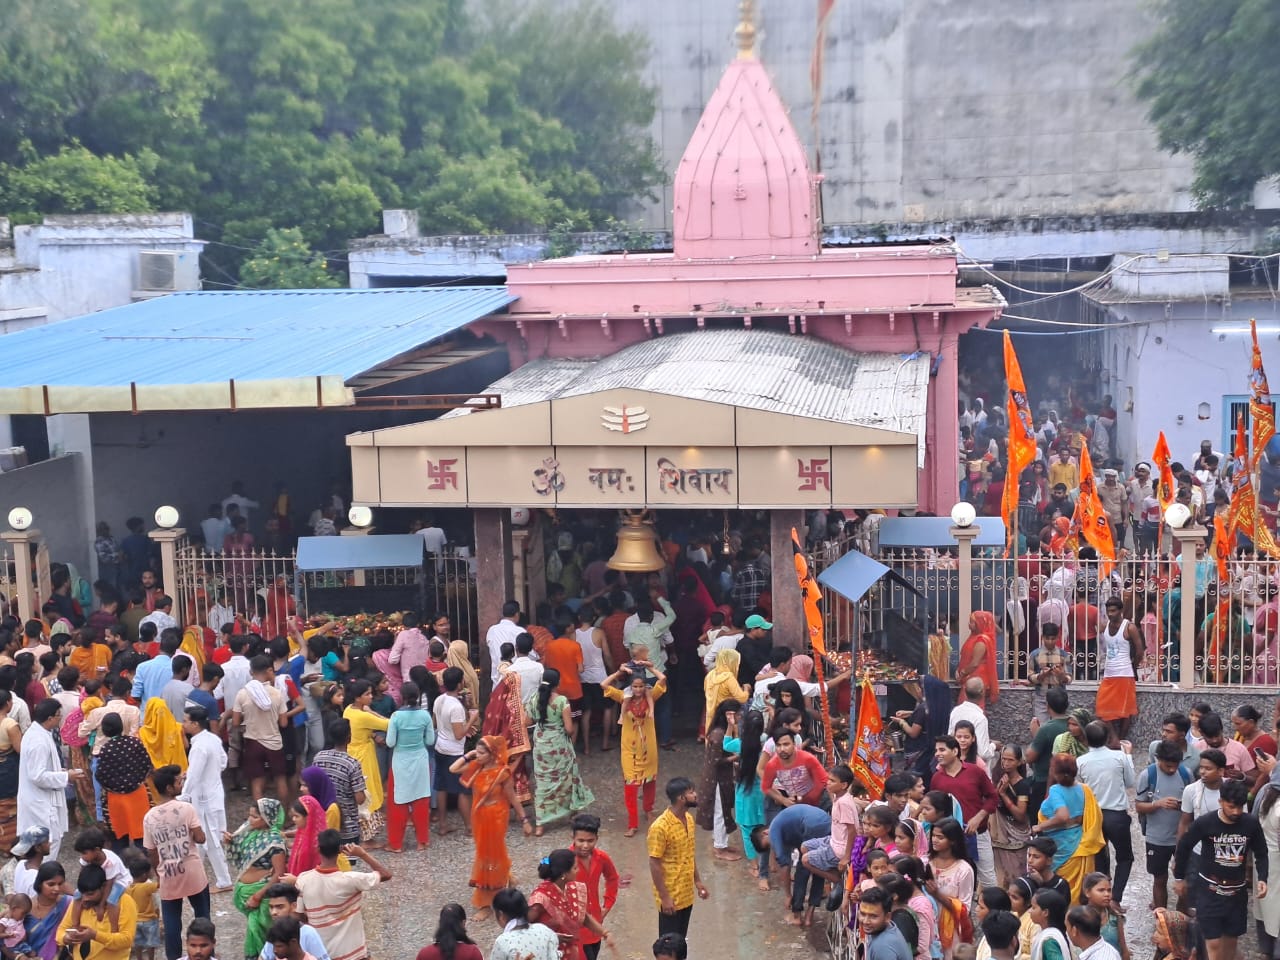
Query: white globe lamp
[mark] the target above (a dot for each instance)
(963, 514)
(166, 517)
(360, 516)
(20, 518)
(1177, 515)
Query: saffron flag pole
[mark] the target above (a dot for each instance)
(1022, 441)
(1243, 515)
(1090, 518)
(1262, 415)
(812, 597)
(1163, 460)
(867, 757)
(816, 63)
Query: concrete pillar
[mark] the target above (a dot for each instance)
(1188, 539)
(358, 576)
(788, 605)
(21, 542)
(494, 581)
(964, 537)
(168, 540)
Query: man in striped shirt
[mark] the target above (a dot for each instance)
(332, 899)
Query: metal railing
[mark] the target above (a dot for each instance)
(242, 583)
(925, 597)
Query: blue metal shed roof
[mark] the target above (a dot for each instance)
(207, 339)
(371, 552)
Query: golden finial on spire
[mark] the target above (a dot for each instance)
(745, 33)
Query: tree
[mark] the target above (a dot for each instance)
(1209, 74)
(268, 115)
(284, 261)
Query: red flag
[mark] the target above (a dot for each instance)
(1163, 460)
(1262, 415)
(1089, 517)
(867, 756)
(1022, 440)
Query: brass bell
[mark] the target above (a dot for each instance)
(637, 548)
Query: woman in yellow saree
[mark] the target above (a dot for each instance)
(1070, 816)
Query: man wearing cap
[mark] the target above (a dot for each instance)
(1115, 502)
(30, 850)
(1138, 488)
(754, 648)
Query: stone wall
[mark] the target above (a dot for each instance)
(1009, 717)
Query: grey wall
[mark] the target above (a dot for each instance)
(53, 490)
(937, 109)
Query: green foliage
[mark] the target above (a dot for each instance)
(283, 261)
(76, 181)
(1209, 74)
(262, 115)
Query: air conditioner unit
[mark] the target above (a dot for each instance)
(157, 270)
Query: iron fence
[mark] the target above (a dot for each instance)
(1236, 622)
(212, 588)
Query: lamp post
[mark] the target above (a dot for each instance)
(1189, 537)
(21, 537)
(167, 534)
(964, 533)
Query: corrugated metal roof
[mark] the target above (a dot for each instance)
(775, 372)
(213, 337)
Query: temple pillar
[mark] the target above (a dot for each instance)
(788, 606)
(495, 584)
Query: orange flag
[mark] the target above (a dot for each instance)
(867, 756)
(811, 594)
(1090, 519)
(1163, 460)
(1022, 440)
(1221, 547)
(1243, 515)
(1261, 414)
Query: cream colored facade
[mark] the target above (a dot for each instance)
(634, 448)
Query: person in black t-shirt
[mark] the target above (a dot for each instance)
(1222, 897)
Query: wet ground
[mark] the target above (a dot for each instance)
(737, 922)
(400, 916)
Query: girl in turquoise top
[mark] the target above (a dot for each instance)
(409, 735)
(748, 797)
(1097, 894)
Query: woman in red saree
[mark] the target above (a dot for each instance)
(484, 771)
(505, 717)
(309, 820)
(560, 903)
(978, 656)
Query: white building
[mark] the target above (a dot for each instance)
(1176, 352)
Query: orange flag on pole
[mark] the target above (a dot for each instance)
(867, 756)
(1243, 515)
(1090, 518)
(1262, 416)
(811, 594)
(1163, 460)
(1022, 439)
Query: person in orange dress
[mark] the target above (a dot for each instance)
(484, 771)
(978, 655)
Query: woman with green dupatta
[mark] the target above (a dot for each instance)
(257, 852)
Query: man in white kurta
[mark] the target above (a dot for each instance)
(203, 790)
(42, 783)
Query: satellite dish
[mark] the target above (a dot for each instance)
(20, 518)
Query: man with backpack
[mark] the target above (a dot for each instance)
(1159, 801)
